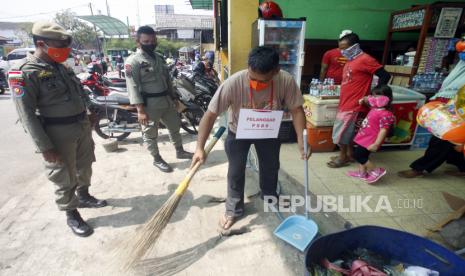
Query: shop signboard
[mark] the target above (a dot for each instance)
(408, 19)
(448, 22)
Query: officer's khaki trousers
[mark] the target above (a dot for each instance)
(161, 109)
(75, 146)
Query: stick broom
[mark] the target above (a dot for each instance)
(146, 237)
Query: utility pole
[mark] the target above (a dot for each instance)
(95, 29)
(137, 14)
(129, 27)
(108, 8)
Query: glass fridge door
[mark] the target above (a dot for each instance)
(286, 37)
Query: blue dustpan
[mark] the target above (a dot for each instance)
(297, 230)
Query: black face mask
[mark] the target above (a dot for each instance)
(148, 48)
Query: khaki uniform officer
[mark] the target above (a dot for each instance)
(150, 90)
(51, 107)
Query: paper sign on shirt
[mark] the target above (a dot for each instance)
(258, 124)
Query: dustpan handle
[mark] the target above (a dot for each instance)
(306, 170)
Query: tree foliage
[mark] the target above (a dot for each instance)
(168, 47)
(165, 47)
(23, 33)
(83, 34)
(120, 43)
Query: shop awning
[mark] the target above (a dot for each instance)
(202, 4)
(110, 26)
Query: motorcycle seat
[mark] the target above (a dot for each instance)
(119, 89)
(114, 100)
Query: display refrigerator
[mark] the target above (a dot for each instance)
(287, 36)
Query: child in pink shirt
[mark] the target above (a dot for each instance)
(372, 133)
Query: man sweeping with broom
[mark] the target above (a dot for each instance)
(255, 98)
(262, 89)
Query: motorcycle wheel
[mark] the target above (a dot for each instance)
(190, 119)
(104, 121)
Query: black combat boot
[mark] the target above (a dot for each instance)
(88, 201)
(161, 164)
(77, 224)
(182, 154)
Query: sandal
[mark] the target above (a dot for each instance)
(410, 174)
(351, 160)
(337, 163)
(226, 222)
(455, 173)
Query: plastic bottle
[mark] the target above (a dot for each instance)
(441, 80)
(414, 81)
(425, 81)
(311, 87)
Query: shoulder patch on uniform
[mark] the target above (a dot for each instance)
(17, 91)
(45, 74)
(128, 69)
(16, 83)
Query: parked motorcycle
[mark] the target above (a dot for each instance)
(114, 82)
(118, 119)
(94, 82)
(3, 81)
(187, 91)
(102, 85)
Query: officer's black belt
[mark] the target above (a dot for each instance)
(63, 120)
(155, 95)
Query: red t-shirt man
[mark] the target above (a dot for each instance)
(332, 65)
(356, 82)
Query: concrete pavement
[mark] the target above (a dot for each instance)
(416, 204)
(35, 240)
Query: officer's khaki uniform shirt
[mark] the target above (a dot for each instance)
(47, 90)
(147, 74)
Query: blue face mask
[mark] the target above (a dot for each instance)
(352, 52)
(462, 56)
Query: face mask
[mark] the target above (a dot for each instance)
(258, 86)
(58, 55)
(378, 101)
(148, 48)
(351, 52)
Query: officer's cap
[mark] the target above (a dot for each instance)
(50, 30)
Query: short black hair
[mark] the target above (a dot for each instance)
(263, 59)
(145, 30)
(351, 39)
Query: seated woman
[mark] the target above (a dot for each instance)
(440, 151)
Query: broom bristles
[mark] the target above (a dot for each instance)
(146, 237)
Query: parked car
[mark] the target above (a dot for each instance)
(15, 56)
